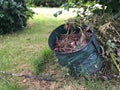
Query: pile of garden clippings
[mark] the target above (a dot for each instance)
(69, 43)
(108, 36)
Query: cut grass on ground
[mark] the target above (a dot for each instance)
(18, 51)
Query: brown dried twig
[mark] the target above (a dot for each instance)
(31, 77)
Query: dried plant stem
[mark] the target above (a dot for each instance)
(30, 77)
(116, 30)
(4, 79)
(114, 61)
(84, 36)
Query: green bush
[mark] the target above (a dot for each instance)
(13, 15)
(48, 3)
(108, 6)
(112, 5)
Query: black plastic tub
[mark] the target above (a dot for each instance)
(86, 60)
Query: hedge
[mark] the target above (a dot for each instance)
(47, 3)
(13, 15)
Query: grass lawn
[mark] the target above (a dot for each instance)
(19, 50)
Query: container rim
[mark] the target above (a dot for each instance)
(64, 53)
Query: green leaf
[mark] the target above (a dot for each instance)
(57, 13)
(110, 44)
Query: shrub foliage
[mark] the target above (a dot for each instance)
(48, 3)
(112, 6)
(13, 15)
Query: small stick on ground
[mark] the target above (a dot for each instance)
(32, 77)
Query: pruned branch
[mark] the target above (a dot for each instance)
(31, 77)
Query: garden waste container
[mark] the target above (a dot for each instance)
(86, 60)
